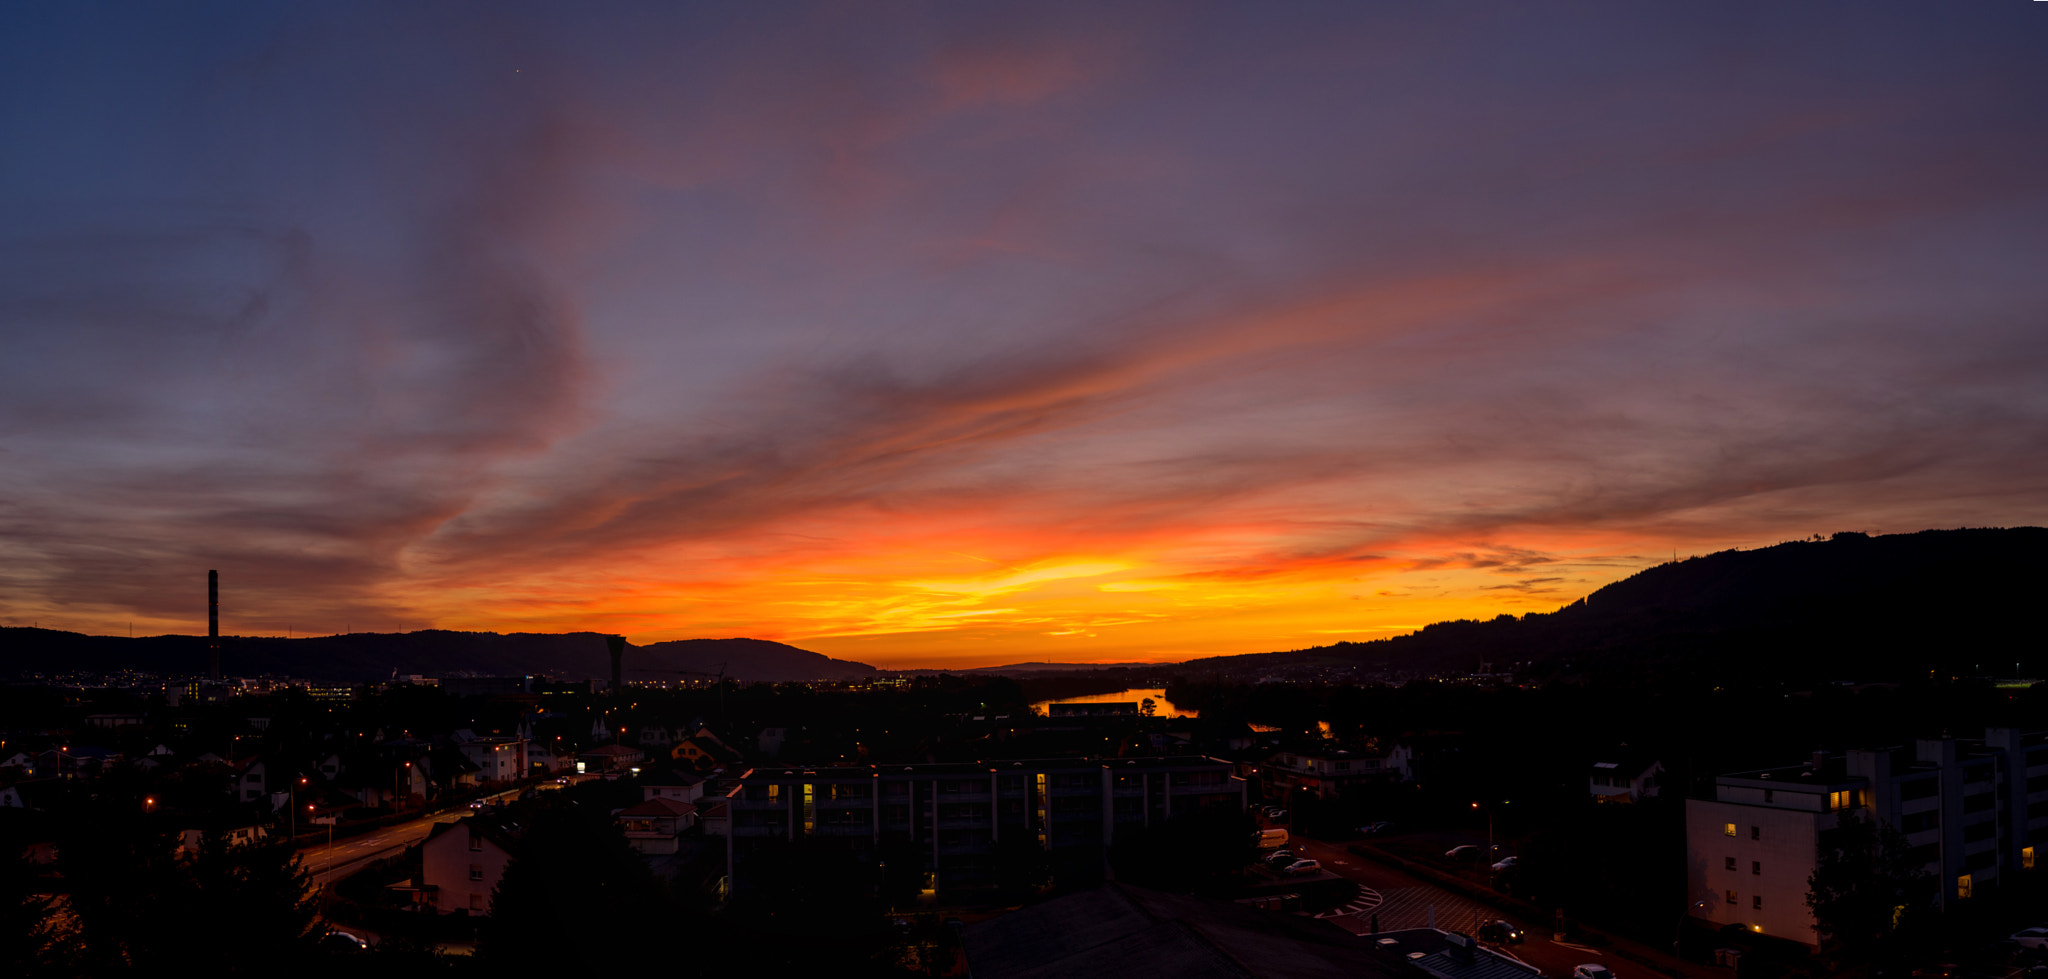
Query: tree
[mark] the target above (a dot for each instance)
(573, 874)
(1867, 887)
(139, 906)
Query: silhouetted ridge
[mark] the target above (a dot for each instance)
(1851, 607)
(431, 652)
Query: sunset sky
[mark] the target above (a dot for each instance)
(966, 333)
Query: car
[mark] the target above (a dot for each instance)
(341, 941)
(564, 780)
(1277, 815)
(1507, 863)
(2035, 937)
(1500, 932)
(1465, 852)
(1592, 970)
(479, 803)
(1303, 867)
(1281, 858)
(1379, 828)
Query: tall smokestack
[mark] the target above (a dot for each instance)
(213, 623)
(616, 645)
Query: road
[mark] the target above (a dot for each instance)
(1400, 901)
(328, 864)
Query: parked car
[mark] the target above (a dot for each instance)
(1466, 852)
(1303, 867)
(1380, 828)
(341, 941)
(1500, 932)
(1592, 970)
(2035, 937)
(1507, 863)
(1281, 858)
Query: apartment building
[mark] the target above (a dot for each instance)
(1325, 770)
(1972, 811)
(955, 814)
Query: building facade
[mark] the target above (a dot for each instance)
(1971, 812)
(955, 815)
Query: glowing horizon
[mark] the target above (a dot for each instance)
(980, 334)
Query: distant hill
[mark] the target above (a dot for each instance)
(369, 656)
(745, 659)
(1961, 602)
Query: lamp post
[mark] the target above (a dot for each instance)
(1489, 829)
(1678, 932)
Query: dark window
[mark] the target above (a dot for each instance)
(2037, 783)
(476, 844)
(1757, 901)
(1979, 861)
(1918, 789)
(1756, 867)
(1920, 822)
(1731, 898)
(2036, 810)
(1980, 831)
(1731, 863)
(1756, 832)
(1925, 853)
(476, 871)
(1978, 803)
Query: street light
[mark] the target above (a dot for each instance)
(1489, 828)
(1678, 932)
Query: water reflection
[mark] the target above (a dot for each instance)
(1161, 706)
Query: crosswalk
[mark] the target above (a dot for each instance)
(1401, 908)
(1367, 900)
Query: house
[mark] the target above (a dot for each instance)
(76, 761)
(1627, 779)
(655, 826)
(610, 758)
(672, 785)
(703, 751)
(35, 794)
(462, 862)
(252, 779)
(235, 832)
(497, 759)
(655, 736)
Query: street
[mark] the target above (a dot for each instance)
(1401, 901)
(328, 863)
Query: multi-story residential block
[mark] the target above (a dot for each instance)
(1324, 770)
(956, 814)
(1972, 812)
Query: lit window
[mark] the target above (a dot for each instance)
(1731, 898)
(2027, 858)
(1728, 828)
(1963, 886)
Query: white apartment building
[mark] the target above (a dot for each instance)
(1972, 811)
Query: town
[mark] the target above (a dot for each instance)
(929, 825)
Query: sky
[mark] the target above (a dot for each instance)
(961, 334)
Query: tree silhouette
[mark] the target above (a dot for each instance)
(1866, 887)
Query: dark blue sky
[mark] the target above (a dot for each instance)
(954, 332)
